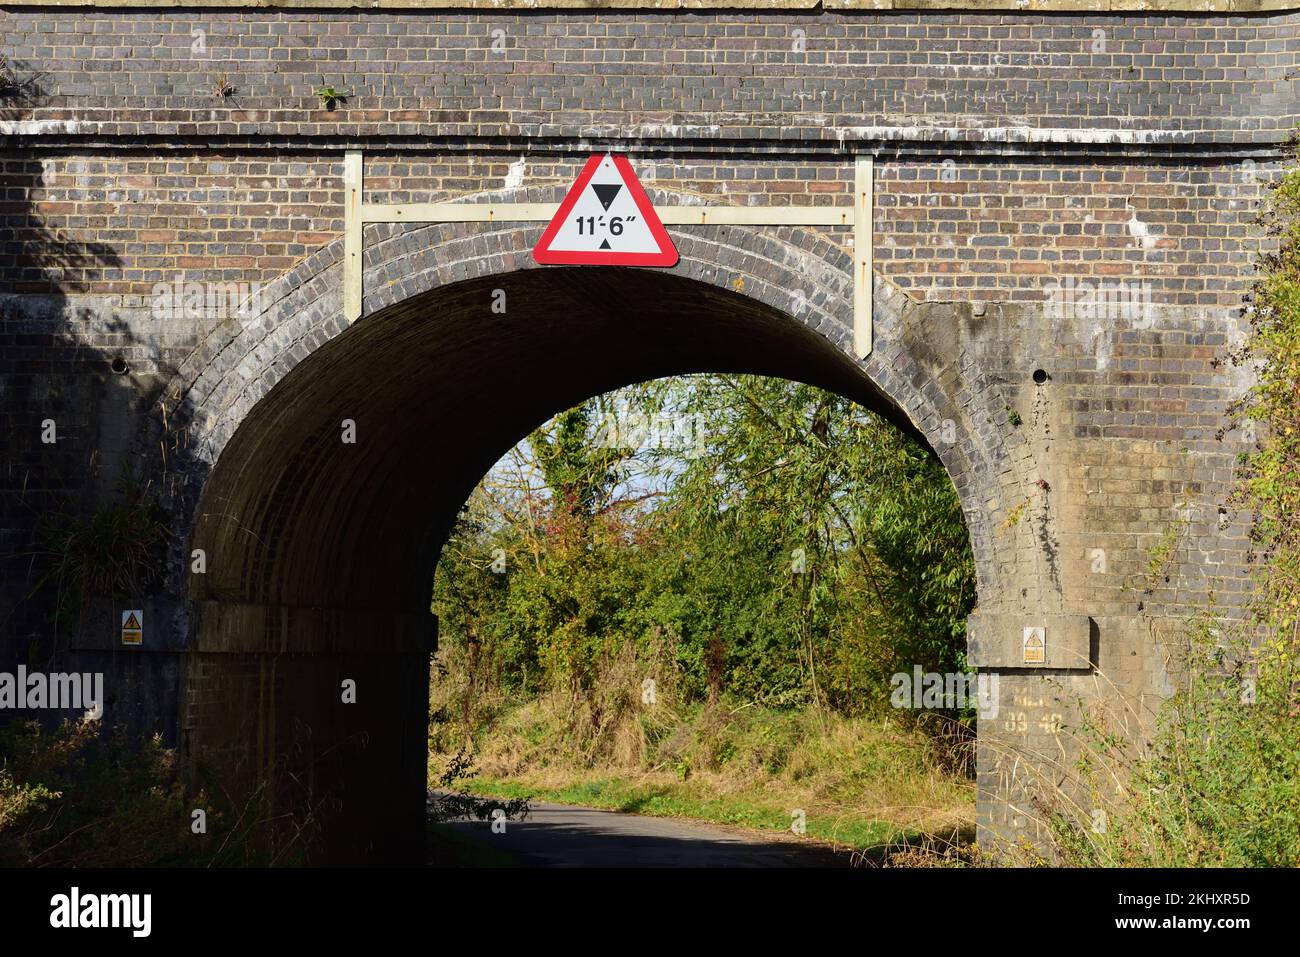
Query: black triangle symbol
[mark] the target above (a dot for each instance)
(605, 192)
(605, 244)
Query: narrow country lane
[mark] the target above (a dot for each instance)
(561, 835)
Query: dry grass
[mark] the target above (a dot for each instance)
(860, 781)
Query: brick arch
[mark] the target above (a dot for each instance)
(916, 376)
(319, 555)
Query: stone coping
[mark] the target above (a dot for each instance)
(1028, 7)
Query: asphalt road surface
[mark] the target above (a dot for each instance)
(560, 835)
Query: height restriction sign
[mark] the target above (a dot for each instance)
(606, 220)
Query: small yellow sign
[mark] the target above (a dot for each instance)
(133, 627)
(1035, 646)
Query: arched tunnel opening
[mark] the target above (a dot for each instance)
(323, 518)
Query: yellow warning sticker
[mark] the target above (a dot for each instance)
(133, 627)
(1035, 646)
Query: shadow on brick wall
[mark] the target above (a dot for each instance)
(81, 525)
(22, 89)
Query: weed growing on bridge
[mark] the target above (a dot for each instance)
(109, 552)
(1161, 557)
(1015, 514)
(330, 97)
(1269, 468)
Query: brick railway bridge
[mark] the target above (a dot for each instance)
(1061, 234)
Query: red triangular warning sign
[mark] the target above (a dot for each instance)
(606, 220)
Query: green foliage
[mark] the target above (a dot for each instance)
(1161, 555)
(18, 801)
(1220, 784)
(330, 96)
(450, 801)
(799, 550)
(1268, 418)
(72, 797)
(715, 615)
(536, 578)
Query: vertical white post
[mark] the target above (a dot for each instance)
(863, 210)
(352, 236)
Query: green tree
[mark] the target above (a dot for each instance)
(796, 547)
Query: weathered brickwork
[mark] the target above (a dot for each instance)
(1007, 230)
(795, 77)
(1010, 230)
(1063, 235)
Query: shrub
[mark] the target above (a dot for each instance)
(73, 797)
(1219, 785)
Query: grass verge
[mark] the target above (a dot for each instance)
(660, 795)
(856, 782)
